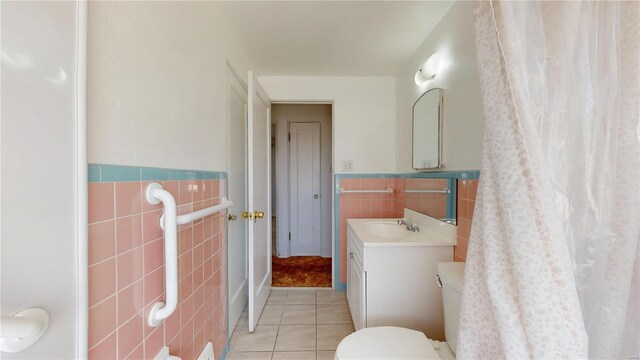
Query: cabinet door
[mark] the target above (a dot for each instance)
(359, 296)
(350, 279)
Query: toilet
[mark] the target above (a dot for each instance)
(390, 342)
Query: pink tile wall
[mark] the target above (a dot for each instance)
(126, 272)
(434, 205)
(467, 190)
(363, 206)
(399, 196)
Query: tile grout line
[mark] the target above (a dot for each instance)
(144, 262)
(115, 248)
(103, 340)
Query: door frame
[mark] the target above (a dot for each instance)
(282, 212)
(82, 178)
(231, 71)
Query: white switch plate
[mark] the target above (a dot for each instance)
(347, 165)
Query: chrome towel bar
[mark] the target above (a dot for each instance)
(433, 191)
(379, 191)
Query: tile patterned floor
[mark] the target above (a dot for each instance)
(295, 325)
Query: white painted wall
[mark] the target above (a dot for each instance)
(283, 114)
(44, 172)
(157, 84)
(157, 91)
(454, 39)
(363, 115)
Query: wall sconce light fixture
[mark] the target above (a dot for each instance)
(429, 70)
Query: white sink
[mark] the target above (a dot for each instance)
(387, 232)
(386, 229)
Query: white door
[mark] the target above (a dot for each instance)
(43, 191)
(237, 188)
(304, 188)
(259, 199)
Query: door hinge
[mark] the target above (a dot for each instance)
(289, 236)
(289, 136)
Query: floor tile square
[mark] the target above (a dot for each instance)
(271, 315)
(249, 355)
(277, 297)
(331, 297)
(296, 337)
(329, 336)
(263, 339)
(326, 355)
(299, 314)
(294, 355)
(301, 297)
(333, 314)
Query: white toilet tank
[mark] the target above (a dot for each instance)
(451, 276)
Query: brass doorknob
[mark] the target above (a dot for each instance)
(253, 216)
(232, 217)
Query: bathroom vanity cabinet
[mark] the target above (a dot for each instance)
(392, 282)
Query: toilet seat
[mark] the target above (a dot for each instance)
(387, 342)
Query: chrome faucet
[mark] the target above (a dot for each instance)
(409, 225)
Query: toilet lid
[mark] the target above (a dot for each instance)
(385, 342)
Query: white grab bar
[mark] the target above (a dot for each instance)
(187, 218)
(169, 222)
(384, 191)
(160, 311)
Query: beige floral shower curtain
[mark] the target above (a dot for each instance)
(553, 261)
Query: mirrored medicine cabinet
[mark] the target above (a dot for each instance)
(426, 131)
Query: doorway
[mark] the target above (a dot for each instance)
(302, 197)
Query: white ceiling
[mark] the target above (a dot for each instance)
(341, 38)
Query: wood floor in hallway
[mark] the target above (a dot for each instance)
(301, 271)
